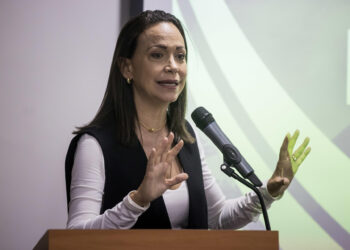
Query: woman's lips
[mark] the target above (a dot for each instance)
(168, 83)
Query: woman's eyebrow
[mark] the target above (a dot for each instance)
(162, 46)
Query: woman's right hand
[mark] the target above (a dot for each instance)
(155, 183)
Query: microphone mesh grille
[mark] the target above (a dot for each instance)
(201, 117)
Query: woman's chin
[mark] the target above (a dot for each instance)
(167, 99)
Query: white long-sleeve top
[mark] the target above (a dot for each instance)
(87, 185)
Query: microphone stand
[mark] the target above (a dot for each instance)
(225, 167)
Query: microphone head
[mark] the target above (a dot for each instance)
(201, 117)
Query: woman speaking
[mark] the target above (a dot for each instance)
(138, 163)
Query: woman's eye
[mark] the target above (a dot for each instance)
(157, 55)
(181, 57)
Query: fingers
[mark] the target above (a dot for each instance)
(297, 157)
(284, 149)
(288, 148)
(163, 147)
(160, 149)
(301, 148)
(152, 157)
(292, 141)
(164, 152)
(171, 139)
(301, 159)
(174, 151)
(176, 179)
(167, 147)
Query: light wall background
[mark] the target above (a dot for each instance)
(54, 63)
(263, 68)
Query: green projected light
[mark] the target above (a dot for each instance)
(229, 78)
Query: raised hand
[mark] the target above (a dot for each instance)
(155, 182)
(288, 164)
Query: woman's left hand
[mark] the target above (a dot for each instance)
(288, 164)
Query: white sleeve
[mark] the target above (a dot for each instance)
(86, 191)
(229, 213)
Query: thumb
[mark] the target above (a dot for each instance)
(275, 184)
(176, 179)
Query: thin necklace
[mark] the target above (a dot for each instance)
(152, 130)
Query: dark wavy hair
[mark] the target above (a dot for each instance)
(118, 100)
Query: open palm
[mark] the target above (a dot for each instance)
(288, 164)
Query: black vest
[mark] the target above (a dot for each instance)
(124, 170)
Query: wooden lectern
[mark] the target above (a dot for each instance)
(157, 239)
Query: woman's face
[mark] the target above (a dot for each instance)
(158, 67)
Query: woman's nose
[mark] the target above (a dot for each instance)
(172, 65)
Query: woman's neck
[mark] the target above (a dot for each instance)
(151, 125)
(151, 116)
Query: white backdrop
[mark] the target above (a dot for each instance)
(54, 64)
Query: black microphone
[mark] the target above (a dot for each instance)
(205, 122)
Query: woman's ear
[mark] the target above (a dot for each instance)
(125, 67)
